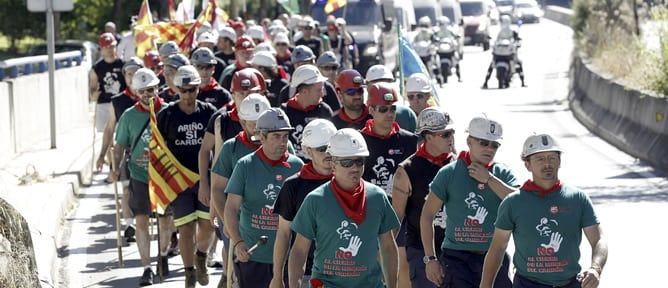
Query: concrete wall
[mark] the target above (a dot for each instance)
(558, 14)
(6, 139)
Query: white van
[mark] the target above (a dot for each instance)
(429, 8)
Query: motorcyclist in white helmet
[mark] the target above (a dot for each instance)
(424, 42)
(507, 32)
(446, 31)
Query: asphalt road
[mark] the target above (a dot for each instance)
(629, 196)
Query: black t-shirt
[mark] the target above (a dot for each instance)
(385, 156)
(227, 80)
(274, 91)
(229, 128)
(299, 119)
(167, 96)
(110, 79)
(313, 43)
(184, 133)
(227, 59)
(339, 123)
(220, 66)
(218, 96)
(420, 173)
(328, 97)
(286, 63)
(122, 102)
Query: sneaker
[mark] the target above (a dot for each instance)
(163, 267)
(223, 281)
(147, 277)
(211, 261)
(200, 267)
(191, 278)
(129, 234)
(173, 246)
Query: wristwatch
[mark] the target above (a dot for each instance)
(427, 259)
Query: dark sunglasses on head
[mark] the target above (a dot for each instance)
(446, 134)
(347, 163)
(420, 96)
(384, 109)
(330, 67)
(485, 143)
(191, 90)
(321, 149)
(353, 92)
(204, 67)
(149, 90)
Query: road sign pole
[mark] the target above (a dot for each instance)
(50, 44)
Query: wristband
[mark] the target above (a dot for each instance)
(235, 244)
(488, 178)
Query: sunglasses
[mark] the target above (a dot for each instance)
(204, 67)
(485, 143)
(347, 163)
(330, 67)
(384, 109)
(446, 134)
(149, 90)
(419, 96)
(321, 149)
(191, 90)
(281, 44)
(353, 92)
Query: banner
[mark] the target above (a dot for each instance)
(332, 5)
(144, 38)
(411, 63)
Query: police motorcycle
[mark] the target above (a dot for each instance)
(503, 52)
(424, 47)
(447, 53)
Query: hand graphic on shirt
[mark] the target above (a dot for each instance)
(353, 246)
(480, 215)
(555, 242)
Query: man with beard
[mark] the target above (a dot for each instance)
(209, 89)
(244, 49)
(350, 88)
(406, 118)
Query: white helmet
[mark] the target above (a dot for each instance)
(379, 72)
(143, 78)
(347, 142)
(264, 59)
(252, 107)
(418, 82)
(169, 48)
(539, 143)
(256, 32)
(227, 32)
(266, 47)
(281, 37)
(482, 127)
(443, 21)
(187, 75)
(306, 74)
(207, 37)
(424, 21)
(505, 21)
(273, 119)
(433, 119)
(317, 133)
(203, 55)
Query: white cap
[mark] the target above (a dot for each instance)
(144, 78)
(169, 48)
(482, 127)
(264, 59)
(202, 55)
(539, 143)
(433, 119)
(252, 107)
(187, 75)
(306, 74)
(418, 82)
(279, 29)
(281, 38)
(206, 37)
(378, 72)
(256, 32)
(317, 133)
(227, 32)
(347, 142)
(110, 25)
(265, 46)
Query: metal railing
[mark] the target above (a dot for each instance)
(38, 64)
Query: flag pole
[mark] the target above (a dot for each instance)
(161, 273)
(118, 213)
(401, 68)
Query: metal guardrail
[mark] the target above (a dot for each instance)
(26, 65)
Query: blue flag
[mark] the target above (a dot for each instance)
(411, 63)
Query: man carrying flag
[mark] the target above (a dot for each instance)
(182, 124)
(132, 134)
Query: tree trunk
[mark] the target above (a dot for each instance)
(234, 8)
(56, 26)
(263, 9)
(118, 13)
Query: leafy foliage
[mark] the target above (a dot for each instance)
(17, 22)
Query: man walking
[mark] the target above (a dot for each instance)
(350, 88)
(106, 80)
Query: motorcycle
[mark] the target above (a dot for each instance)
(430, 58)
(447, 52)
(504, 53)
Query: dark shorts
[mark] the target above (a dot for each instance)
(138, 201)
(187, 207)
(463, 269)
(401, 236)
(521, 282)
(418, 275)
(253, 274)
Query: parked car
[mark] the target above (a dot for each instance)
(527, 11)
(476, 22)
(90, 50)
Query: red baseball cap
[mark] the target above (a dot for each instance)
(382, 94)
(244, 43)
(152, 59)
(237, 24)
(107, 39)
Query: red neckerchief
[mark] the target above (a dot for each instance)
(369, 131)
(128, 92)
(308, 172)
(346, 118)
(287, 55)
(292, 103)
(273, 163)
(531, 186)
(439, 160)
(243, 138)
(171, 92)
(282, 73)
(233, 113)
(316, 283)
(352, 202)
(466, 156)
(156, 106)
(213, 84)
(238, 66)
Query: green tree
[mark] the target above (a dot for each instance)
(16, 22)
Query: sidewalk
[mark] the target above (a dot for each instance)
(47, 198)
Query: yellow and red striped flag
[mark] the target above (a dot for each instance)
(189, 39)
(332, 5)
(144, 36)
(171, 31)
(167, 177)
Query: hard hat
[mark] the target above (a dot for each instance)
(143, 78)
(205, 27)
(539, 143)
(110, 25)
(248, 79)
(382, 94)
(107, 39)
(134, 61)
(444, 20)
(349, 79)
(152, 59)
(207, 37)
(237, 24)
(256, 32)
(227, 32)
(326, 58)
(244, 43)
(265, 47)
(264, 59)
(317, 133)
(433, 119)
(169, 48)
(424, 20)
(280, 29)
(202, 55)
(177, 60)
(418, 82)
(379, 72)
(187, 75)
(302, 53)
(347, 142)
(281, 37)
(482, 127)
(274, 119)
(306, 74)
(252, 107)
(505, 20)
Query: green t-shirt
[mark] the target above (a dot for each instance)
(406, 118)
(338, 261)
(471, 212)
(547, 232)
(131, 124)
(231, 152)
(259, 183)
